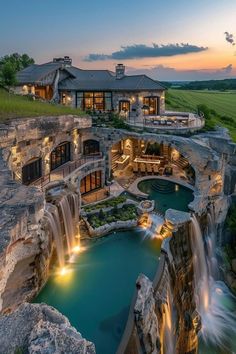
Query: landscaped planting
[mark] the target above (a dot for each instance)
(113, 202)
(128, 212)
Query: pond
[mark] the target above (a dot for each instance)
(96, 294)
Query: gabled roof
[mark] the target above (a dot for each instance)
(103, 80)
(88, 80)
(35, 73)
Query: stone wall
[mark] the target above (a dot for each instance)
(25, 139)
(24, 252)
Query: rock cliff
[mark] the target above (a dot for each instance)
(40, 329)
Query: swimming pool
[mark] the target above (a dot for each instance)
(166, 194)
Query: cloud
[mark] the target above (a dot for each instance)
(164, 73)
(229, 37)
(139, 51)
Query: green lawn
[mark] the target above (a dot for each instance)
(14, 106)
(223, 103)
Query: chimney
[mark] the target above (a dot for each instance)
(120, 71)
(67, 61)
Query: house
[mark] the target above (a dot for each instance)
(93, 90)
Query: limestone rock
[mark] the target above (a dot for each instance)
(145, 316)
(38, 328)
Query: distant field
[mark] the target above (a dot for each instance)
(224, 103)
(13, 106)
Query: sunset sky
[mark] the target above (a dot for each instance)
(168, 39)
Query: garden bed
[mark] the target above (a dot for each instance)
(109, 203)
(101, 222)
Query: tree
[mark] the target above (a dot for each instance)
(10, 65)
(8, 75)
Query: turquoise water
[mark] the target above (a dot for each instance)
(178, 198)
(97, 291)
(96, 294)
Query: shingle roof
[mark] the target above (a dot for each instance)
(34, 73)
(106, 80)
(88, 79)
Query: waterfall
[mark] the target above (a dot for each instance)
(218, 323)
(168, 330)
(211, 244)
(52, 216)
(201, 279)
(68, 222)
(154, 225)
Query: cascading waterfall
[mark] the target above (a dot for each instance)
(218, 323)
(52, 216)
(155, 223)
(168, 339)
(211, 245)
(68, 222)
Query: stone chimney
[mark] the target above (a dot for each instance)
(120, 71)
(67, 61)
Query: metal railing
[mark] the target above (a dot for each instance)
(64, 170)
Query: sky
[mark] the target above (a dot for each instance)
(166, 39)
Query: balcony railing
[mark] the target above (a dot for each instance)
(65, 170)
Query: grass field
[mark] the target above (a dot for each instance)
(13, 106)
(223, 103)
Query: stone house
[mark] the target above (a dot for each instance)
(93, 90)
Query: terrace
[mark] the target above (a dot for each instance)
(171, 121)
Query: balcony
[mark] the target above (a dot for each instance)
(66, 170)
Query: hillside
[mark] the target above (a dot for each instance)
(13, 106)
(221, 105)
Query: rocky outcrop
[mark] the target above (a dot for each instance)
(145, 317)
(40, 329)
(24, 250)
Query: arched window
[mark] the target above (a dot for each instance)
(32, 171)
(91, 147)
(60, 155)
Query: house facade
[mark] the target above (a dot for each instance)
(93, 90)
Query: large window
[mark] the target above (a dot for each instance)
(60, 155)
(150, 106)
(91, 147)
(32, 171)
(91, 182)
(94, 101)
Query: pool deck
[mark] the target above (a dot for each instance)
(133, 189)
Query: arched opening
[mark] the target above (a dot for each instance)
(91, 182)
(91, 147)
(60, 155)
(32, 170)
(132, 158)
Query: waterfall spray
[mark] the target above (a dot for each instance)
(154, 225)
(168, 330)
(218, 323)
(68, 223)
(52, 217)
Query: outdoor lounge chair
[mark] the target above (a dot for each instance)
(155, 169)
(149, 168)
(142, 168)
